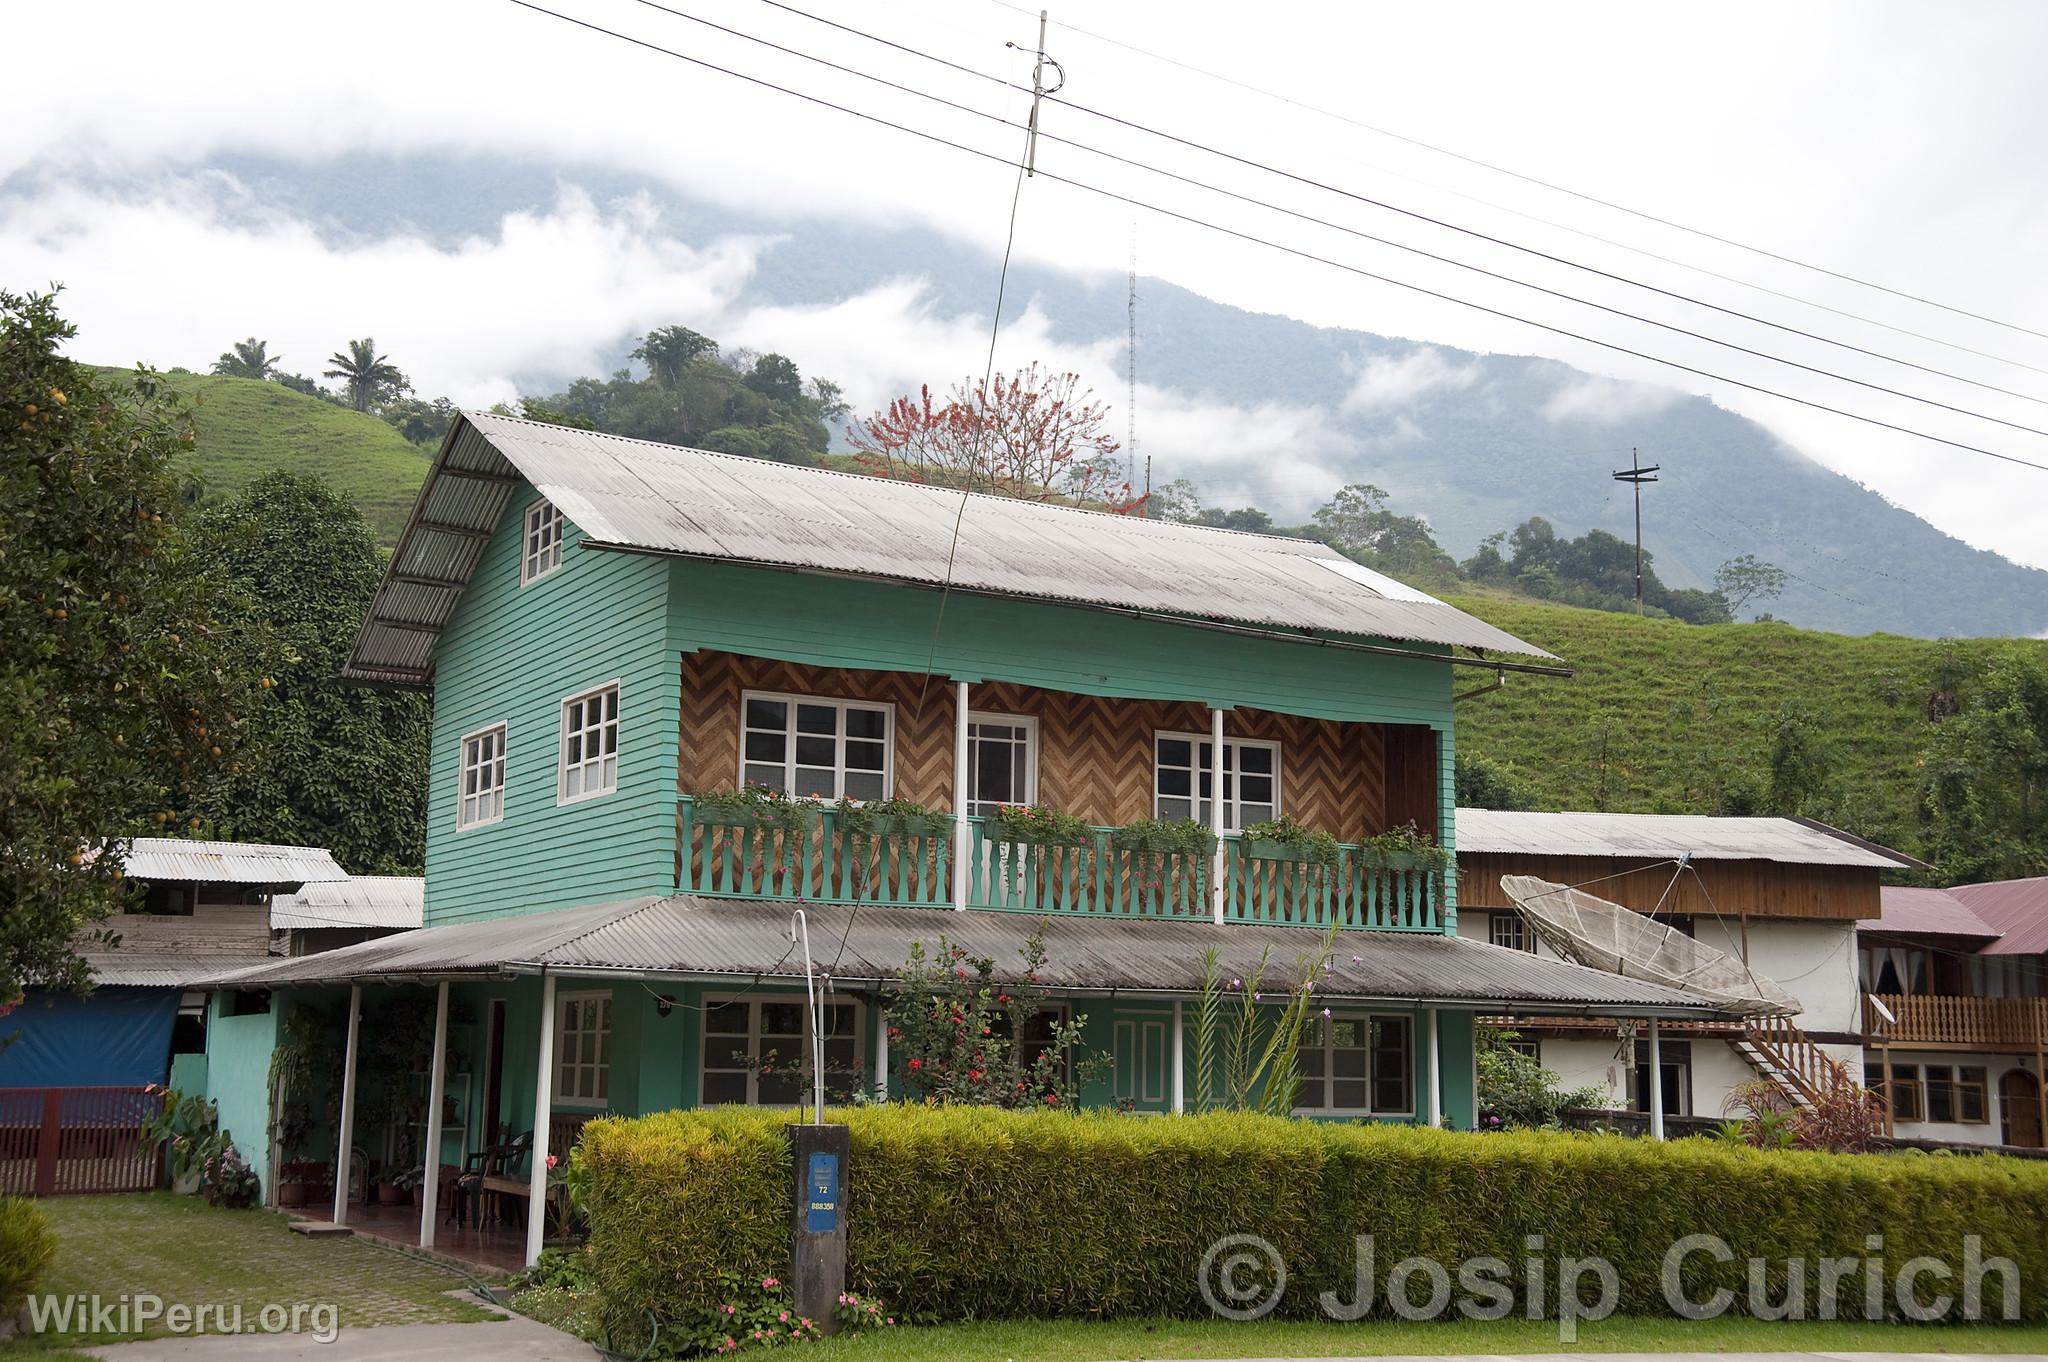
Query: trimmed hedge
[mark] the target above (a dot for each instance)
(27, 1243)
(969, 1212)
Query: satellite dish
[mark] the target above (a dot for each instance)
(1606, 936)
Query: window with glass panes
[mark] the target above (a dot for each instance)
(1251, 779)
(543, 542)
(757, 1052)
(1508, 930)
(816, 748)
(583, 1036)
(483, 778)
(1904, 1088)
(1002, 762)
(1357, 1063)
(590, 744)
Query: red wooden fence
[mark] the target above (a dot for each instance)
(55, 1141)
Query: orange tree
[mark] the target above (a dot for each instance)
(126, 669)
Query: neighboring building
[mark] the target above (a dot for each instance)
(612, 629)
(1783, 895)
(1956, 1010)
(203, 909)
(327, 916)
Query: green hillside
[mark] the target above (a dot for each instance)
(247, 427)
(1666, 717)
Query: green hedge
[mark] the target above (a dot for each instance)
(978, 1213)
(27, 1243)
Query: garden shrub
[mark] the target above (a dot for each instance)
(966, 1212)
(27, 1243)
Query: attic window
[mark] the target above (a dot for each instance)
(543, 542)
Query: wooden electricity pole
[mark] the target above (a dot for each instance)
(1637, 475)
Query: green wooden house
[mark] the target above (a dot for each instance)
(619, 635)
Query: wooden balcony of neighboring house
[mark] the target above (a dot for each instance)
(1937, 1021)
(915, 866)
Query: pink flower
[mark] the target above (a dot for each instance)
(730, 1310)
(890, 1320)
(552, 1161)
(770, 1283)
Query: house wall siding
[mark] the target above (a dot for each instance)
(1726, 888)
(511, 655)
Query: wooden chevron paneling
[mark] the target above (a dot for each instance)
(1095, 756)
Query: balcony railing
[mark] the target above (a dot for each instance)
(1932, 1019)
(827, 863)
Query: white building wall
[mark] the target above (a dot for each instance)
(1588, 1062)
(1995, 1067)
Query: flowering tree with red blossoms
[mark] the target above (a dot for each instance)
(956, 1035)
(1033, 435)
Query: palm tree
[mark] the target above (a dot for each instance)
(250, 358)
(369, 375)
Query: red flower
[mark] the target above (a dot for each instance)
(1052, 1099)
(916, 1064)
(974, 1075)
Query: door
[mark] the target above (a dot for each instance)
(1141, 1072)
(494, 1077)
(2019, 1095)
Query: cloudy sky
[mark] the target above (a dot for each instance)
(1897, 144)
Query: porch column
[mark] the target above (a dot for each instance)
(437, 1093)
(881, 1050)
(1179, 1062)
(1216, 811)
(345, 1137)
(960, 796)
(1656, 1083)
(1436, 1068)
(543, 1112)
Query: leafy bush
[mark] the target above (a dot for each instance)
(1516, 1092)
(27, 1243)
(970, 1212)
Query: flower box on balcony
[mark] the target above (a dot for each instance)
(1266, 849)
(1283, 839)
(1165, 837)
(906, 825)
(1039, 826)
(754, 808)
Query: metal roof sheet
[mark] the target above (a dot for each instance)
(687, 935)
(394, 901)
(164, 971)
(1908, 911)
(1662, 836)
(642, 496)
(2018, 908)
(179, 858)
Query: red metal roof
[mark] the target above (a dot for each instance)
(2017, 908)
(1926, 912)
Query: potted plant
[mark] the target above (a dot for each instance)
(412, 1182)
(292, 1187)
(755, 806)
(1283, 839)
(392, 1190)
(1406, 848)
(890, 818)
(1165, 837)
(1039, 825)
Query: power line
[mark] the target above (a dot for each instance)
(1383, 205)
(1254, 239)
(1542, 183)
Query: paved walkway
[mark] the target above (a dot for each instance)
(514, 1338)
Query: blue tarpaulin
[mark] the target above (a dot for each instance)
(116, 1037)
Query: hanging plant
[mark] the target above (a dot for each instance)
(1165, 837)
(1406, 848)
(1283, 839)
(890, 818)
(755, 806)
(1039, 825)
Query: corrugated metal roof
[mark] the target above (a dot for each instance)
(164, 971)
(179, 858)
(1662, 836)
(696, 936)
(2018, 908)
(1925, 912)
(394, 901)
(635, 494)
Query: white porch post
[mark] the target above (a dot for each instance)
(543, 1112)
(345, 1137)
(960, 796)
(1436, 1068)
(437, 1093)
(1656, 1083)
(1216, 810)
(1179, 1061)
(881, 1050)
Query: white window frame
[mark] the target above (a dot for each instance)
(838, 702)
(1232, 807)
(464, 800)
(1029, 724)
(1371, 1076)
(753, 1003)
(1525, 938)
(595, 1068)
(543, 520)
(562, 763)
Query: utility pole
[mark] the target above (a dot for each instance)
(1637, 475)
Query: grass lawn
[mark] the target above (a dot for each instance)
(1073, 1341)
(186, 1252)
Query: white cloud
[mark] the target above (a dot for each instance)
(1395, 381)
(1606, 401)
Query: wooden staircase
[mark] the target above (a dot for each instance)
(1786, 1057)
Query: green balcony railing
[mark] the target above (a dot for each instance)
(825, 862)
